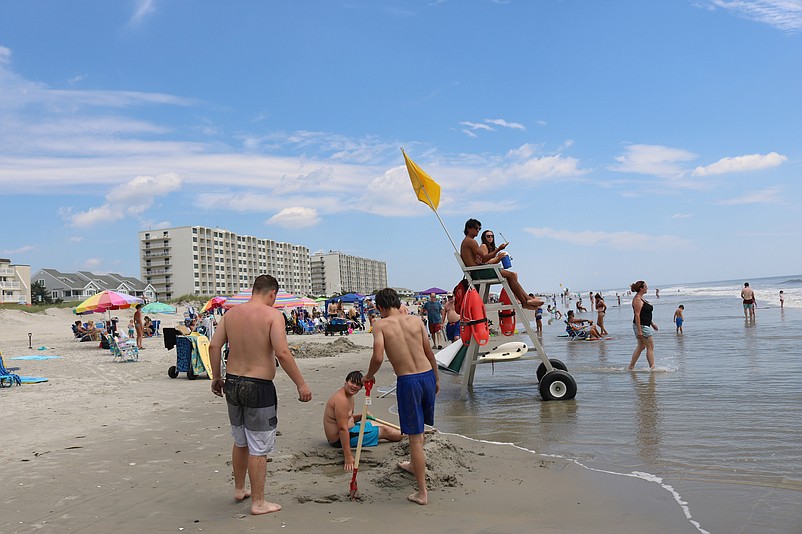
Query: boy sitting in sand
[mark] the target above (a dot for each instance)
(678, 318)
(404, 339)
(340, 422)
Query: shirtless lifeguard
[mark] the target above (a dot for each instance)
(404, 339)
(256, 332)
(341, 424)
(472, 256)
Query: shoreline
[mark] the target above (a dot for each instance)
(121, 446)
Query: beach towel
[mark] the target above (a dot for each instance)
(35, 357)
(32, 379)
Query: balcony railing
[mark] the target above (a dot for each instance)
(10, 285)
(5, 271)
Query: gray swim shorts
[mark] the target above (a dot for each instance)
(252, 404)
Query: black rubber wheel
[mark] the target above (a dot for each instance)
(172, 372)
(557, 364)
(557, 385)
(191, 374)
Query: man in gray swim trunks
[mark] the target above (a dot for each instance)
(255, 331)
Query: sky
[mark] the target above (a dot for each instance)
(606, 141)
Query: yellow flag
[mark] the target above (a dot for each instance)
(426, 189)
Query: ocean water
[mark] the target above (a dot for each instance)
(718, 424)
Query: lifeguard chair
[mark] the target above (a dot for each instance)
(554, 381)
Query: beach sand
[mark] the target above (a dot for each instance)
(121, 447)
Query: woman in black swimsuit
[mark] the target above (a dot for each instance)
(642, 324)
(601, 310)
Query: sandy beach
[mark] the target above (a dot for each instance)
(121, 447)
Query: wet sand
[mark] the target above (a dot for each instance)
(121, 447)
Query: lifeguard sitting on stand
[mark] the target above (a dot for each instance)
(472, 256)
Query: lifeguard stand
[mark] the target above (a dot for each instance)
(554, 381)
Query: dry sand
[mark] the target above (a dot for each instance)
(120, 447)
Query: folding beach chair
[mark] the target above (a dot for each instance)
(125, 352)
(8, 379)
(578, 333)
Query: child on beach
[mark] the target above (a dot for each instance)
(131, 329)
(404, 339)
(678, 318)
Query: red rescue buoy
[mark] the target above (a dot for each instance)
(473, 322)
(506, 318)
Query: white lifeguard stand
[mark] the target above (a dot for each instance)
(554, 381)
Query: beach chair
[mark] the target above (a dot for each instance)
(576, 333)
(554, 381)
(77, 336)
(7, 378)
(124, 352)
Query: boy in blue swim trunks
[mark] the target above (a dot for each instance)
(341, 426)
(678, 318)
(404, 339)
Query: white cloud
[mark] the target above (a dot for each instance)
(524, 151)
(76, 239)
(469, 133)
(657, 160)
(534, 169)
(295, 217)
(91, 263)
(143, 9)
(477, 126)
(505, 124)
(20, 250)
(130, 198)
(771, 195)
(616, 240)
(5, 55)
(784, 15)
(750, 162)
(681, 216)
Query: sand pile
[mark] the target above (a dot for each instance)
(322, 350)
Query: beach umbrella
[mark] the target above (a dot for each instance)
(157, 307)
(214, 303)
(283, 299)
(105, 301)
(435, 290)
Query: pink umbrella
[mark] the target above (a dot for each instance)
(214, 303)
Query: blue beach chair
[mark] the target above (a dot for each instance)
(8, 379)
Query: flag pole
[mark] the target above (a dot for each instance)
(431, 205)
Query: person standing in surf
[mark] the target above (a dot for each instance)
(642, 324)
(748, 297)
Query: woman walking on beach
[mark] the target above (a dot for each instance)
(642, 324)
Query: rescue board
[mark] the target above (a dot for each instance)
(505, 352)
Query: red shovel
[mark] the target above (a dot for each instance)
(363, 422)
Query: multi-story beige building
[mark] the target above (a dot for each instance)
(15, 283)
(334, 272)
(196, 260)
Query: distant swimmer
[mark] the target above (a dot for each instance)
(748, 297)
(642, 324)
(782, 299)
(679, 319)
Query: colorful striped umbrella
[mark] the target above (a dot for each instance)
(157, 307)
(214, 303)
(283, 300)
(105, 301)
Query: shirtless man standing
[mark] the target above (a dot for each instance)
(139, 326)
(339, 422)
(404, 339)
(255, 331)
(472, 256)
(748, 297)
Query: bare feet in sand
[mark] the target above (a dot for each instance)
(406, 466)
(264, 508)
(241, 495)
(417, 498)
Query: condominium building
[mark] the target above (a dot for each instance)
(334, 272)
(15, 283)
(196, 260)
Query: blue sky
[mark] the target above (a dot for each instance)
(608, 141)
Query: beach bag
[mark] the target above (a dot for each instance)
(459, 294)
(104, 342)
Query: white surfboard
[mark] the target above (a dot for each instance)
(446, 356)
(505, 352)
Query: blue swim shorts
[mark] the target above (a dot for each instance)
(679, 321)
(646, 331)
(369, 439)
(415, 395)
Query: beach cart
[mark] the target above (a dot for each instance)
(189, 356)
(335, 325)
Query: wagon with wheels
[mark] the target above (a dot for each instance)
(336, 325)
(191, 357)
